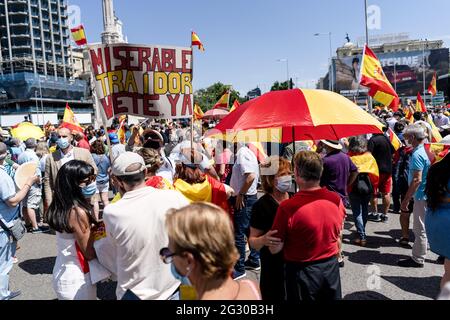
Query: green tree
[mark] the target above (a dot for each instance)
(208, 97)
(277, 86)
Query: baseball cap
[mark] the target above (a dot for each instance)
(4, 133)
(124, 161)
(114, 138)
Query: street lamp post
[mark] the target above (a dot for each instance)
(40, 94)
(423, 68)
(331, 77)
(287, 69)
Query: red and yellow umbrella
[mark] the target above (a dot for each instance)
(296, 115)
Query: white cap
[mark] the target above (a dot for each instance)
(124, 161)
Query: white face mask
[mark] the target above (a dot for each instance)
(284, 183)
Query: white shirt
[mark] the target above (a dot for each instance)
(67, 157)
(136, 227)
(246, 162)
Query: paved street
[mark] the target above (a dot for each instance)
(32, 275)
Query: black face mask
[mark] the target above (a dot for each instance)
(152, 144)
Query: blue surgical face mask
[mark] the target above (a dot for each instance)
(183, 279)
(89, 190)
(284, 183)
(63, 143)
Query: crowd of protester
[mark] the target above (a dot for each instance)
(172, 219)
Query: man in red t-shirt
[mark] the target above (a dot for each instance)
(309, 226)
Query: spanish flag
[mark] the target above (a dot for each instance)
(395, 140)
(196, 42)
(436, 151)
(198, 112)
(409, 115)
(437, 137)
(420, 105)
(79, 36)
(70, 121)
(223, 102)
(121, 131)
(432, 88)
(236, 105)
(373, 77)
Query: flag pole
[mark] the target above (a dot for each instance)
(367, 43)
(192, 79)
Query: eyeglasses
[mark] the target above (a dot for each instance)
(88, 180)
(166, 255)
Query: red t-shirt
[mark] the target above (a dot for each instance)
(309, 224)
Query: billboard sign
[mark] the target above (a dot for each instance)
(404, 69)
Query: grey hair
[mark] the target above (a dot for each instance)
(357, 144)
(416, 131)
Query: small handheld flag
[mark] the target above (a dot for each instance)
(79, 36)
(196, 42)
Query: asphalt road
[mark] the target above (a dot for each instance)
(370, 273)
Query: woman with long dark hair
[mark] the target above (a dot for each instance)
(437, 219)
(71, 215)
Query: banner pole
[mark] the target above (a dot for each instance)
(192, 79)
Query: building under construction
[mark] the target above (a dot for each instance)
(36, 65)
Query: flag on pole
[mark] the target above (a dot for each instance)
(432, 88)
(198, 112)
(437, 137)
(70, 121)
(436, 151)
(373, 77)
(395, 140)
(78, 35)
(236, 105)
(420, 105)
(223, 102)
(196, 42)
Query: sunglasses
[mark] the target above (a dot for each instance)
(166, 255)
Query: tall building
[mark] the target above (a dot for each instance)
(36, 58)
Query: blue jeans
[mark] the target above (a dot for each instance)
(7, 252)
(242, 230)
(360, 208)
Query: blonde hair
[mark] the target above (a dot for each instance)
(153, 160)
(42, 149)
(206, 231)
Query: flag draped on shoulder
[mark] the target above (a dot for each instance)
(223, 102)
(436, 151)
(373, 77)
(432, 88)
(196, 42)
(70, 121)
(79, 36)
(420, 105)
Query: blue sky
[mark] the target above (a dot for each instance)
(244, 38)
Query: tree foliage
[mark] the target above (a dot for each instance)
(277, 86)
(208, 97)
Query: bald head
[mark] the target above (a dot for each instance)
(64, 133)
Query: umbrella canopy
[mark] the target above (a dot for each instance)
(26, 130)
(215, 114)
(295, 115)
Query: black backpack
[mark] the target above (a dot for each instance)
(363, 186)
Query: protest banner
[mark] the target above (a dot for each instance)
(140, 80)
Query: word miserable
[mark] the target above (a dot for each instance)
(148, 81)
